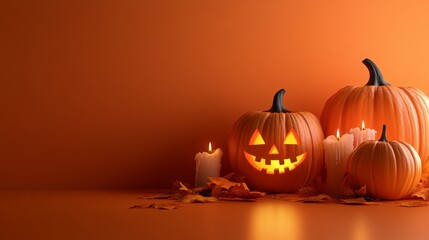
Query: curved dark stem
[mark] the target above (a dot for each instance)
(375, 76)
(383, 134)
(278, 103)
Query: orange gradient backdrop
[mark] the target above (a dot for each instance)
(124, 93)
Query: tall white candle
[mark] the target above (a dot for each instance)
(362, 134)
(207, 165)
(337, 150)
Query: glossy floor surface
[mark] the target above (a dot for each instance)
(88, 214)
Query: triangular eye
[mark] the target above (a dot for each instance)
(291, 138)
(256, 139)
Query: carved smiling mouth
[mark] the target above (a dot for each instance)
(274, 164)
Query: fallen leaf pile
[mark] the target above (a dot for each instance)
(232, 187)
(224, 189)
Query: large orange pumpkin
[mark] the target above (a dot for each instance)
(277, 150)
(389, 169)
(404, 109)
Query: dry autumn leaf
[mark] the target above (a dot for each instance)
(160, 196)
(361, 191)
(350, 193)
(183, 187)
(235, 177)
(198, 199)
(180, 188)
(222, 182)
(159, 206)
(285, 196)
(414, 204)
(321, 198)
(242, 192)
(422, 193)
(307, 191)
(226, 190)
(358, 201)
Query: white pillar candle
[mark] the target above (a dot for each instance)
(337, 150)
(362, 134)
(207, 165)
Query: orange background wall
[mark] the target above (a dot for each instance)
(123, 93)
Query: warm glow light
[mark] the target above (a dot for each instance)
(274, 165)
(360, 228)
(273, 150)
(338, 134)
(256, 139)
(363, 125)
(291, 138)
(210, 147)
(275, 220)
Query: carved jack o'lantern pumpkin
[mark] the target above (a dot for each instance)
(277, 150)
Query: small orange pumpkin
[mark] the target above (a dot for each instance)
(404, 109)
(277, 150)
(389, 169)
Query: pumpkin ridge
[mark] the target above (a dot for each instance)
(301, 115)
(412, 111)
(417, 99)
(418, 165)
(374, 185)
(411, 164)
(395, 162)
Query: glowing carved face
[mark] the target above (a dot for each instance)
(273, 162)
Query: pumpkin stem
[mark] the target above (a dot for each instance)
(383, 134)
(375, 76)
(278, 103)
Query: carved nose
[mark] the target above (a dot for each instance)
(273, 150)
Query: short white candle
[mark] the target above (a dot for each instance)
(337, 150)
(207, 165)
(362, 134)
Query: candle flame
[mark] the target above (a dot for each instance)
(363, 125)
(210, 147)
(338, 134)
